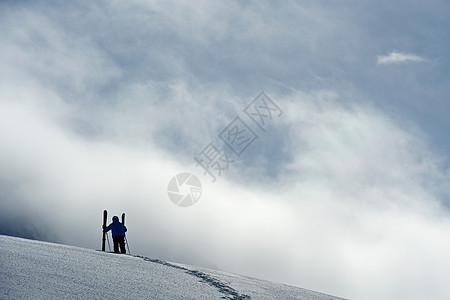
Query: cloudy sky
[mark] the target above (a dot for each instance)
(347, 192)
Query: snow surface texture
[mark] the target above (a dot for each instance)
(39, 270)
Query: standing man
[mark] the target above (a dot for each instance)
(118, 234)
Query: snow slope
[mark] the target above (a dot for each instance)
(39, 270)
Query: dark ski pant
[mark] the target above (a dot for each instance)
(119, 240)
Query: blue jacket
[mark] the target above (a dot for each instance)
(118, 229)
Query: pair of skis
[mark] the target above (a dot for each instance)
(105, 216)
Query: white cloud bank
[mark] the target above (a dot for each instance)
(354, 210)
(398, 57)
(352, 214)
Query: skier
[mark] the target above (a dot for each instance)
(118, 234)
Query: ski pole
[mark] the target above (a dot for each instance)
(109, 245)
(126, 241)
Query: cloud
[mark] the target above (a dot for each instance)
(353, 199)
(340, 195)
(398, 57)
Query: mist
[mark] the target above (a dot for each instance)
(346, 192)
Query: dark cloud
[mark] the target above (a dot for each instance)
(22, 222)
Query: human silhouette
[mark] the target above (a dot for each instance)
(118, 234)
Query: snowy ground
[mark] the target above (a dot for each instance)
(38, 270)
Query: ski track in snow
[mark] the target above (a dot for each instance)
(39, 270)
(228, 291)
